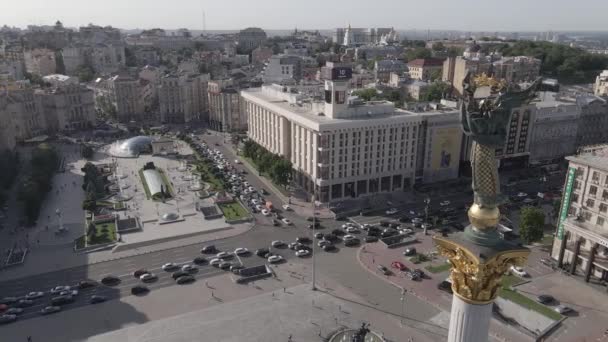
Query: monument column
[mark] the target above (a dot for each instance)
(480, 256)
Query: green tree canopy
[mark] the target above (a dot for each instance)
(366, 94)
(436, 91)
(418, 52)
(532, 221)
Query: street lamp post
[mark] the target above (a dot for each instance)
(314, 242)
(403, 291)
(427, 201)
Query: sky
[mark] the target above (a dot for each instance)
(467, 15)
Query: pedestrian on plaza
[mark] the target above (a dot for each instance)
(212, 295)
(29, 339)
(373, 260)
(289, 338)
(284, 290)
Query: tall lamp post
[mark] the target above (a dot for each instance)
(425, 226)
(479, 256)
(314, 242)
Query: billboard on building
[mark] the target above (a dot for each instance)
(445, 148)
(563, 214)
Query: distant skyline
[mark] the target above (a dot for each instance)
(464, 15)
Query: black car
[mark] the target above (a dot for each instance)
(371, 238)
(319, 235)
(185, 279)
(374, 232)
(22, 303)
(236, 269)
(139, 290)
(445, 286)
(404, 219)
(61, 300)
(419, 272)
(97, 299)
(338, 232)
(394, 225)
(384, 270)
(330, 237)
(110, 280)
(351, 242)
(329, 248)
(412, 275)
(137, 274)
(409, 251)
(208, 249)
(545, 299)
(261, 252)
(85, 284)
(199, 261)
(384, 223)
(303, 239)
(225, 265)
(275, 223)
(178, 274)
(264, 192)
(8, 300)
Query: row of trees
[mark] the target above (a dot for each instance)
(277, 167)
(94, 185)
(43, 164)
(568, 64)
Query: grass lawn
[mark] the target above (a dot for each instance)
(528, 303)
(439, 268)
(104, 232)
(143, 181)
(233, 211)
(205, 172)
(509, 280)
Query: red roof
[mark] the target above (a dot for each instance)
(425, 62)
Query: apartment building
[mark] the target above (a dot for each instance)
(183, 98)
(424, 69)
(225, 109)
(68, 107)
(40, 62)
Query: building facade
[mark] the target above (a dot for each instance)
(40, 62)
(225, 109)
(183, 98)
(69, 107)
(581, 239)
(383, 69)
(23, 112)
(593, 120)
(283, 69)
(600, 88)
(125, 94)
(251, 38)
(425, 69)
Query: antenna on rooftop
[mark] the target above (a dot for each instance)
(204, 23)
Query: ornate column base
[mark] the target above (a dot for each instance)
(469, 322)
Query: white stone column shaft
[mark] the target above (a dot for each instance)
(469, 322)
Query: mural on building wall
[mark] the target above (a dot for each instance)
(445, 147)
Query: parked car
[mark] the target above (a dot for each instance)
(34, 295)
(210, 249)
(139, 290)
(261, 252)
(384, 270)
(286, 221)
(329, 248)
(323, 243)
(139, 273)
(265, 212)
(225, 265)
(319, 235)
(286, 207)
(199, 261)
(444, 203)
(54, 290)
(215, 262)
(61, 300)
(519, 271)
(241, 251)
(223, 255)
(563, 309)
(303, 239)
(13, 311)
(409, 251)
(371, 238)
(398, 265)
(445, 286)
(391, 211)
(274, 259)
(352, 230)
(302, 253)
(147, 277)
(85, 284)
(277, 244)
(22, 303)
(545, 299)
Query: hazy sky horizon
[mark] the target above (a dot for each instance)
(466, 15)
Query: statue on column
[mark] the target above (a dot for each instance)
(361, 333)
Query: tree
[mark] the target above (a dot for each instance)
(532, 222)
(438, 46)
(59, 62)
(85, 73)
(436, 75)
(366, 94)
(417, 53)
(436, 91)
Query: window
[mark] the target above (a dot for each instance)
(600, 221)
(587, 216)
(593, 191)
(603, 208)
(595, 176)
(590, 203)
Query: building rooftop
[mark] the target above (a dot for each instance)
(599, 160)
(425, 62)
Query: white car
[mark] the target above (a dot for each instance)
(416, 220)
(348, 237)
(277, 243)
(223, 255)
(352, 230)
(562, 309)
(188, 268)
(265, 212)
(323, 243)
(426, 226)
(391, 211)
(147, 277)
(444, 203)
(519, 271)
(215, 262)
(347, 225)
(302, 253)
(255, 201)
(34, 295)
(246, 184)
(169, 266)
(273, 259)
(366, 226)
(58, 289)
(286, 221)
(522, 194)
(251, 189)
(406, 231)
(241, 251)
(292, 245)
(528, 200)
(236, 161)
(286, 207)
(259, 207)
(69, 293)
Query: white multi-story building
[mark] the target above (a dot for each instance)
(40, 62)
(600, 88)
(283, 69)
(125, 94)
(183, 98)
(343, 147)
(225, 110)
(68, 107)
(103, 58)
(581, 239)
(22, 111)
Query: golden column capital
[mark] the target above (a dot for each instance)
(476, 277)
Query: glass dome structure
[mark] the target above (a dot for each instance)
(132, 147)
